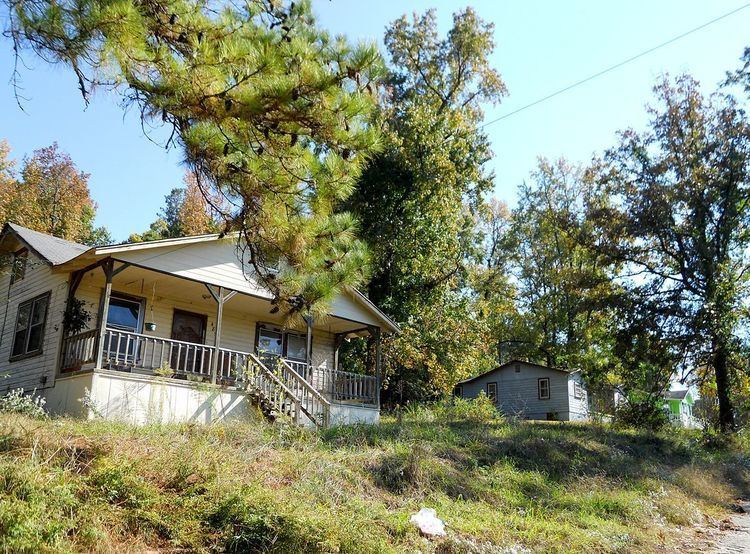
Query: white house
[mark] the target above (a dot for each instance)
(178, 332)
(531, 391)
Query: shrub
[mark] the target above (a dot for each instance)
(405, 469)
(478, 410)
(641, 414)
(455, 410)
(16, 402)
(250, 524)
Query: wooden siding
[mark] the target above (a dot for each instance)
(36, 372)
(517, 393)
(237, 330)
(579, 407)
(218, 263)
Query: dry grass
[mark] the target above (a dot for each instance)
(68, 485)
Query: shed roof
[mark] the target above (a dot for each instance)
(54, 250)
(513, 362)
(676, 394)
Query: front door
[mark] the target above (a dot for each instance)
(187, 327)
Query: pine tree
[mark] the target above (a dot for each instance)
(271, 112)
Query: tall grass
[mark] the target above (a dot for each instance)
(68, 485)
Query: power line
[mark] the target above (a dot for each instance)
(616, 66)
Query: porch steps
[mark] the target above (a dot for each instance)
(285, 393)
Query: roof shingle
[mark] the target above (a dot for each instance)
(55, 250)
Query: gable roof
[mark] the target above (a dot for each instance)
(513, 362)
(57, 251)
(54, 250)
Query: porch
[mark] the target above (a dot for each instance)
(148, 355)
(158, 325)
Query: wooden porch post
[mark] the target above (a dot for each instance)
(220, 298)
(107, 267)
(217, 336)
(338, 338)
(309, 346)
(378, 364)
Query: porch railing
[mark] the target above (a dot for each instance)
(79, 350)
(312, 401)
(313, 387)
(347, 387)
(127, 349)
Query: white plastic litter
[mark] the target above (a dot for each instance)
(428, 522)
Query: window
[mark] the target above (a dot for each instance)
(296, 347)
(517, 368)
(492, 392)
(270, 342)
(274, 341)
(458, 391)
(20, 259)
(577, 390)
(124, 314)
(30, 320)
(543, 384)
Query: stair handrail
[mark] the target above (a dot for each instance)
(299, 380)
(286, 390)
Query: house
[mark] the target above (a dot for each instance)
(531, 391)
(679, 405)
(172, 330)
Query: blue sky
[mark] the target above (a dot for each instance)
(542, 46)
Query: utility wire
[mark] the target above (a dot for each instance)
(616, 66)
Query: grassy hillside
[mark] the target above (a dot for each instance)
(71, 485)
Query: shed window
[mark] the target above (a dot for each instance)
(458, 391)
(30, 320)
(517, 368)
(492, 392)
(543, 384)
(577, 390)
(20, 259)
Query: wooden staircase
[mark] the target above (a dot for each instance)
(282, 392)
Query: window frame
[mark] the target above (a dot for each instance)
(491, 396)
(140, 300)
(285, 345)
(275, 328)
(18, 272)
(539, 388)
(458, 391)
(577, 390)
(39, 351)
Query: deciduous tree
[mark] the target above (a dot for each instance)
(50, 195)
(418, 200)
(187, 211)
(680, 221)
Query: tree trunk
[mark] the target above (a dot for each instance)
(721, 372)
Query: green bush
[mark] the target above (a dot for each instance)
(246, 526)
(455, 410)
(641, 414)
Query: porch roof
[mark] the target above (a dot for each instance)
(218, 260)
